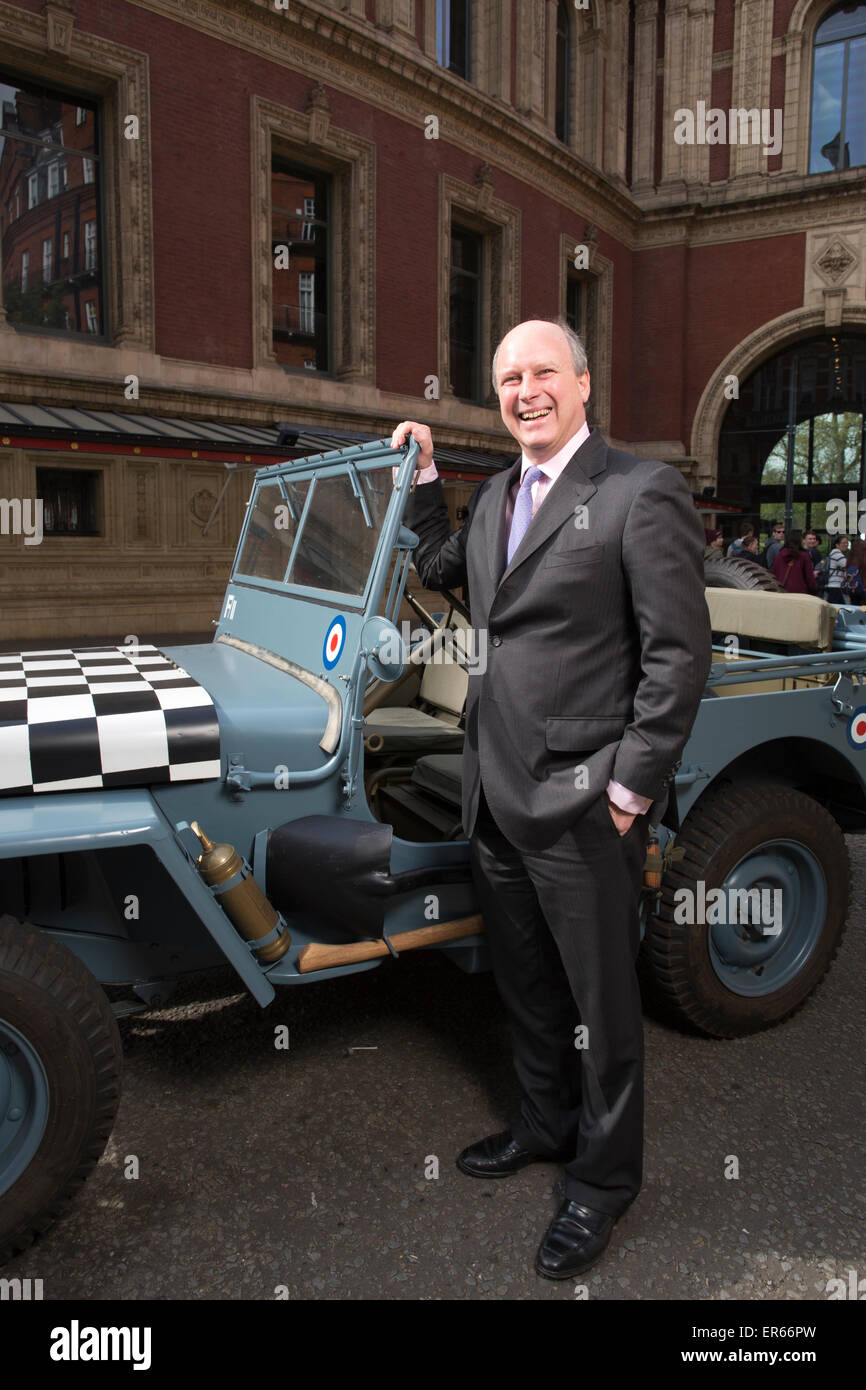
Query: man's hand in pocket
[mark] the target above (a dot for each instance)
(621, 819)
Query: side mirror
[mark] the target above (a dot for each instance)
(385, 649)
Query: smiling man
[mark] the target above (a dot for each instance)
(542, 396)
(598, 651)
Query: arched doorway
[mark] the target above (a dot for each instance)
(813, 393)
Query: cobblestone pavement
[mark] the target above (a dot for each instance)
(304, 1172)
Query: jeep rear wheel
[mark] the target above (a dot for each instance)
(731, 966)
(60, 1069)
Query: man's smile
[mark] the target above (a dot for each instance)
(535, 414)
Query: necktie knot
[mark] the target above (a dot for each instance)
(522, 510)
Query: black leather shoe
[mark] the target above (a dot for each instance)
(497, 1157)
(575, 1239)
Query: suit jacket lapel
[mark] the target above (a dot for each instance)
(573, 489)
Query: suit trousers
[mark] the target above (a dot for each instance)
(563, 930)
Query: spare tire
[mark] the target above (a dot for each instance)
(721, 572)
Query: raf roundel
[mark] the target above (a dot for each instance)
(857, 728)
(335, 640)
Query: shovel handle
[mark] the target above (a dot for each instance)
(320, 956)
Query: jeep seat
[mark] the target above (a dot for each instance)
(424, 803)
(442, 775)
(407, 729)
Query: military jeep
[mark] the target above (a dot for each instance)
(286, 798)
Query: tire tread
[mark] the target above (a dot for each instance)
(50, 966)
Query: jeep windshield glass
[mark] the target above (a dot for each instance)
(320, 526)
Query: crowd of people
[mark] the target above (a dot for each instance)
(796, 559)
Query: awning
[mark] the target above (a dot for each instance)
(104, 426)
(114, 429)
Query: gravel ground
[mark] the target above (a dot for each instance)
(311, 1172)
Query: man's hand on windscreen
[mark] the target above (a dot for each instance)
(425, 443)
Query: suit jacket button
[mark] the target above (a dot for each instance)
(496, 641)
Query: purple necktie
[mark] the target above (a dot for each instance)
(522, 510)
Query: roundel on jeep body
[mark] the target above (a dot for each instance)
(335, 640)
(856, 729)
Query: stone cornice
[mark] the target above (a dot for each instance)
(312, 41)
(774, 211)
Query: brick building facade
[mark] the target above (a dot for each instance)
(327, 213)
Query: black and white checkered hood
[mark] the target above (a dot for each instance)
(102, 717)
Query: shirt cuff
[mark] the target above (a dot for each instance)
(624, 800)
(425, 475)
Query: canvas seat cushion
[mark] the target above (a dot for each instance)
(404, 729)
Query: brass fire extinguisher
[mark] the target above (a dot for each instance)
(242, 898)
(653, 866)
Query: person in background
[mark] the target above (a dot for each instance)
(736, 547)
(836, 565)
(715, 542)
(750, 550)
(853, 586)
(774, 544)
(812, 547)
(793, 568)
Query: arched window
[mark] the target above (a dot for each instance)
(563, 70)
(838, 138)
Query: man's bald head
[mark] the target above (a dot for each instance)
(576, 348)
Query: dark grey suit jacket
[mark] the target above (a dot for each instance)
(598, 636)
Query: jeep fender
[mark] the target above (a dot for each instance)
(66, 822)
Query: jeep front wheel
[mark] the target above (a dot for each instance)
(735, 962)
(60, 1069)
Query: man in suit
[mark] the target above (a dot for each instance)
(598, 649)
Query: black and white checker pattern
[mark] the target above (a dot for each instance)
(102, 717)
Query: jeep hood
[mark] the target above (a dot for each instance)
(267, 715)
(73, 719)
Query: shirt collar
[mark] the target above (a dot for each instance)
(553, 467)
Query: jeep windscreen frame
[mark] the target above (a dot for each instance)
(313, 539)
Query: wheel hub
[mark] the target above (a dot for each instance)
(24, 1097)
(774, 906)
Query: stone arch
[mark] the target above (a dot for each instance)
(741, 361)
(806, 16)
